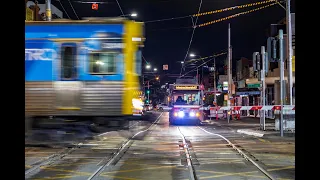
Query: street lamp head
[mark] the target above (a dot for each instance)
(155, 69)
(134, 15)
(192, 55)
(182, 62)
(148, 66)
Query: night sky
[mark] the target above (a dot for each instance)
(167, 41)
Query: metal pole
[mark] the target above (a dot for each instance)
(198, 75)
(263, 88)
(281, 80)
(48, 10)
(289, 50)
(229, 68)
(148, 93)
(215, 86)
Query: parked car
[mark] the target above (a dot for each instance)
(163, 107)
(147, 107)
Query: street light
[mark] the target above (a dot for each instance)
(155, 69)
(134, 15)
(148, 66)
(182, 62)
(192, 55)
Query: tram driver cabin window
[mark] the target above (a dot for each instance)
(102, 63)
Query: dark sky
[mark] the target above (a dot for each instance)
(167, 41)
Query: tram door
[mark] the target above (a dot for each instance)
(68, 86)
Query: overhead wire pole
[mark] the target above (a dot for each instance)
(48, 10)
(229, 70)
(289, 50)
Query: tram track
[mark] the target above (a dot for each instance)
(121, 150)
(192, 171)
(47, 161)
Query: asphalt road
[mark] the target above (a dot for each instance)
(159, 153)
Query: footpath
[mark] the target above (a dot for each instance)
(251, 126)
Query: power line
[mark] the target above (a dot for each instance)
(144, 58)
(64, 9)
(194, 28)
(120, 7)
(73, 9)
(167, 19)
(212, 57)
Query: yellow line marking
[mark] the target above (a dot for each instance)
(263, 140)
(27, 166)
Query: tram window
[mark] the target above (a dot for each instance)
(102, 63)
(67, 62)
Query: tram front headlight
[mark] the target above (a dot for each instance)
(181, 114)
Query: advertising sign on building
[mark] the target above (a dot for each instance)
(225, 86)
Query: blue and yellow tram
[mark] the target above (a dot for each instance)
(83, 68)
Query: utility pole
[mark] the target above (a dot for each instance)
(229, 69)
(263, 87)
(48, 10)
(281, 80)
(148, 92)
(289, 50)
(215, 85)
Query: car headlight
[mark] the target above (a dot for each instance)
(137, 104)
(181, 114)
(192, 114)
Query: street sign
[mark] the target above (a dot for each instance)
(165, 67)
(253, 85)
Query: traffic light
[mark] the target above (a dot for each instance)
(148, 91)
(147, 101)
(256, 61)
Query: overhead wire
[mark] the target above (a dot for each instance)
(120, 7)
(212, 57)
(73, 9)
(64, 9)
(194, 28)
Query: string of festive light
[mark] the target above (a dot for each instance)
(235, 15)
(215, 11)
(232, 8)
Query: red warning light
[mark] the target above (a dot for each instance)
(95, 6)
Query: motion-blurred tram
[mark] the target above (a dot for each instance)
(83, 68)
